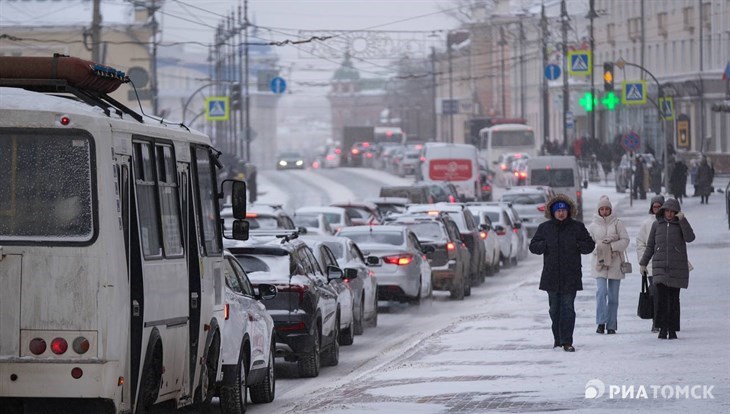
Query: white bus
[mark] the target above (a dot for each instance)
(111, 254)
(505, 138)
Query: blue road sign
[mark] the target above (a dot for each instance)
(217, 108)
(667, 106)
(631, 141)
(552, 71)
(277, 84)
(580, 62)
(449, 106)
(633, 93)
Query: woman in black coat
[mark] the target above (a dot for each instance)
(705, 175)
(667, 249)
(561, 240)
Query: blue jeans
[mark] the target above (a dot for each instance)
(562, 313)
(607, 302)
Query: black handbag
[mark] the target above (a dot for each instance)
(646, 304)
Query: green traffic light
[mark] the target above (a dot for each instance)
(610, 101)
(588, 101)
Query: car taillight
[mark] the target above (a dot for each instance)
(501, 232)
(523, 174)
(517, 174)
(369, 155)
(298, 289)
(330, 157)
(483, 235)
(37, 346)
(81, 345)
(299, 326)
(503, 167)
(423, 159)
(355, 151)
(515, 230)
(541, 207)
(577, 195)
(486, 188)
(452, 199)
(226, 311)
(450, 246)
(399, 260)
(338, 151)
(59, 346)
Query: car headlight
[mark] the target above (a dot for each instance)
(300, 163)
(282, 163)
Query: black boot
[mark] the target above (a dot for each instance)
(601, 328)
(568, 348)
(663, 333)
(672, 335)
(611, 331)
(556, 344)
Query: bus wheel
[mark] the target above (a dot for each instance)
(208, 374)
(151, 377)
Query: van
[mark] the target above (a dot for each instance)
(455, 163)
(559, 172)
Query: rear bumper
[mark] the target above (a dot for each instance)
(292, 335)
(388, 284)
(444, 277)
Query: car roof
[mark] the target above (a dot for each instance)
(321, 209)
(389, 200)
(528, 190)
(356, 204)
(447, 207)
(373, 229)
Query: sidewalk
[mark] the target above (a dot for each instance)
(500, 357)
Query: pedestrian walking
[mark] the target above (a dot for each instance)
(561, 240)
(611, 239)
(642, 239)
(678, 180)
(705, 175)
(667, 246)
(639, 190)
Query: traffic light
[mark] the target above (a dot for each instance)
(589, 102)
(608, 76)
(236, 96)
(610, 101)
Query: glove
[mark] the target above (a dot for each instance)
(680, 215)
(643, 271)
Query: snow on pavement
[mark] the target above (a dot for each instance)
(500, 356)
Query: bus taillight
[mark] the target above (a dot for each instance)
(77, 373)
(37, 346)
(59, 346)
(81, 345)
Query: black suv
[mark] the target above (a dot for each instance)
(306, 310)
(450, 260)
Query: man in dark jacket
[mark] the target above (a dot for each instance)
(561, 240)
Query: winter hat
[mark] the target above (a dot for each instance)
(560, 205)
(670, 204)
(604, 202)
(656, 200)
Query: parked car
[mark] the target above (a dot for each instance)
(509, 241)
(360, 212)
(306, 312)
(249, 344)
(470, 234)
(336, 217)
(327, 260)
(290, 160)
(529, 201)
(450, 259)
(364, 286)
(396, 256)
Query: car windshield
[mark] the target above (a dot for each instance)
(262, 223)
(280, 265)
(306, 220)
(524, 198)
(290, 155)
(45, 187)
(493, 217)
(427, 231)
(556, 177)
(394, 238)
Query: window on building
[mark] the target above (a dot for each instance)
(688, 15)
(611, 33)
(662, 24)
(707, 15)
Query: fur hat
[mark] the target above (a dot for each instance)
(572, 211)
(656, 200)
(604, 202)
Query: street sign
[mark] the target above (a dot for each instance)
(684, 136)
(278, 85)
(666, 105)
(449, 106)
(217, 108)
(633, 93)
(552, 71)
(631, 141)
(569, 120)
(580, 62)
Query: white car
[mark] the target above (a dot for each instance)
(502, 224)
(325, 259)
(315, 224)
(529, 201)
(336, 217)
(249, 344)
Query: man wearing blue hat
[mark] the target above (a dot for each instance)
(561, 240)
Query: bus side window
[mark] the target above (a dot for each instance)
(169, 201)
(147, 209)
(124, 200)
(206, 199)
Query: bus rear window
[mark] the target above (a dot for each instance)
(45, 187)
(512, 138)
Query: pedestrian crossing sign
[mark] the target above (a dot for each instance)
(580, 62)
(666, 105)
(217, 108)
(634, 92)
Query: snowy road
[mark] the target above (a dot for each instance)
(493, 351)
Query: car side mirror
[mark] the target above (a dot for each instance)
(484, 227)
(498, 228)
(302, 230)
(350, 273)
(241, 229)
(266, 292)
(373, 261)
(334, 273)
(426, 249)
(518, 225)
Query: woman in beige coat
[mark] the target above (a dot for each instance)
(612, 240)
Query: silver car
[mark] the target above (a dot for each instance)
(529, 201)
(397, 258)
